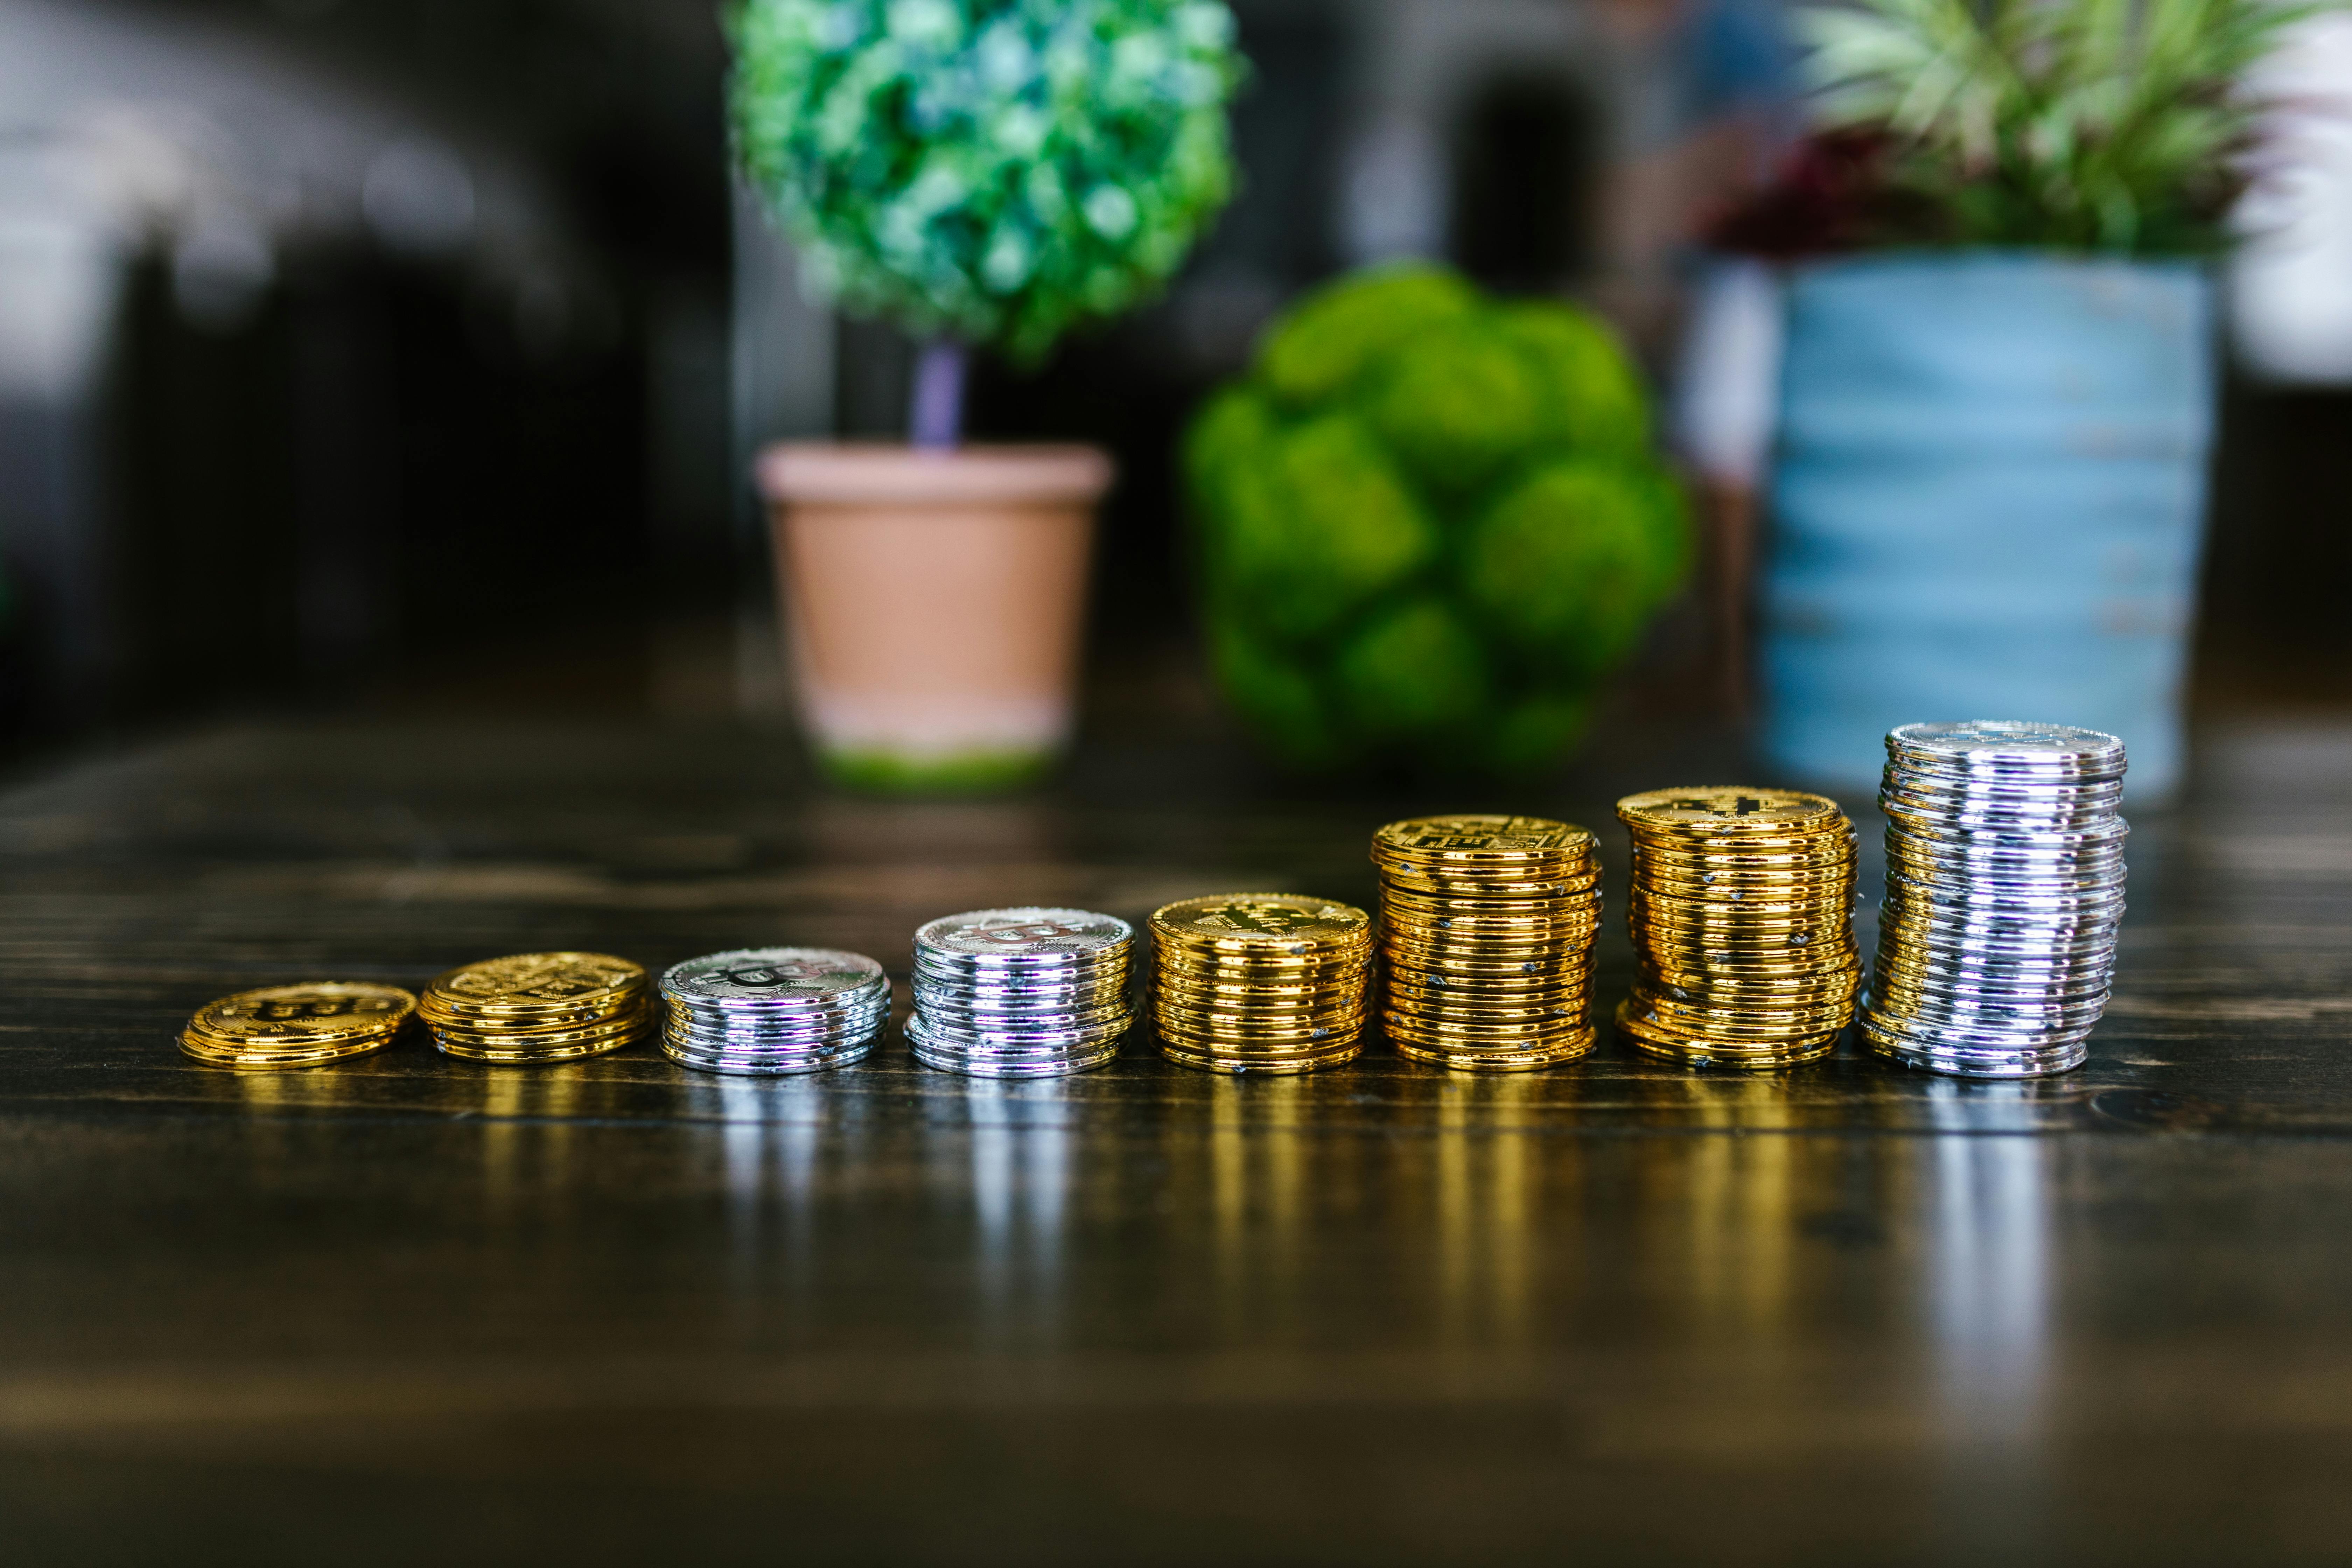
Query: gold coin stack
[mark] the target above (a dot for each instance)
(1487, 927)
(538, 1007)
(1260, 981)
(297, 1026)
(1742, 915)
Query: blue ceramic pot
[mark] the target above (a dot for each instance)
(1987, 502)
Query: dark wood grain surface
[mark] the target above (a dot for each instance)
(413, 1309)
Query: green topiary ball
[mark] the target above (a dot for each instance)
(1429, 525)
(993, 171)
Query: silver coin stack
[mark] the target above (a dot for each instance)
(2004, 888)
(773, 1009)
(1023, 992)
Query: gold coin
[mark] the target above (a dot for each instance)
(1254, 923)
(1525, 1057)
(1749, 847)
(1256, 1050)
(1424, 1026)
(1683, 1046)
(1508, 1009)
(1481, 839)
(215, 1051)
(1184, 1054)
(1781, 1022)
(531, 984)
(553, 1046)
(628, 1024)
(1457, 962)
(1745, 852)
(1335, 959)
(1517, 989)
(1581, 885)
(300, 1018)
(1466, 937)
(1728, 990)
(1728, 1031)
(1244, 991)
(1434, 904)
(1449, 997)
(1734, 940)
(1177, 1002)
(1324, 971)
(1266, 1029)
(1729, 808)
(1408, 918)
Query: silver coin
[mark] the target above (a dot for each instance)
(768, 1064)
(812, 1021)
(2032, 1061)
(1025, 938)
(980, 1030)
(1997, 743)
(1022, 998)
(947, 1046)
(772, 978)
(775, 1040)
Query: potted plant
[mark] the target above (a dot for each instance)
(1989, 490)
(987, 173)
(1429, 524)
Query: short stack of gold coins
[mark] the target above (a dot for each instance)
(1741, 911)
(1260, 981)
(1487, 931)
(297, 1026)
(538, 1007)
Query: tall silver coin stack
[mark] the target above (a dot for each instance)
(1023, 992)
(2004, 889)
(773, 1009)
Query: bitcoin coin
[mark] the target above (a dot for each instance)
(1487, 927)
(297, 1026)
(1740, 907)
(2004, 894)
(1260, 981)
(771, 1011)
(537, 1007)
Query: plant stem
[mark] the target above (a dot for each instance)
(935, 419)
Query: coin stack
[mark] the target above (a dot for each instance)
(297, 1026)
(1260, 981)
(1487, 927)
(772, 1010)
(1022, 993)
(2004, 888)
(1742, 915)
(537, 1007)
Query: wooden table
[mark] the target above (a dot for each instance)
(412, 1310)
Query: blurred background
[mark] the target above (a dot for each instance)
(409, 354)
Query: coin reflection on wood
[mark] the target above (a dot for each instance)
(297, 1026)
(1742, 910)
(1260, 981)
(1487, 925)
(2004, 891)
(537, 1007)
(1021, 993)
(768, 1011)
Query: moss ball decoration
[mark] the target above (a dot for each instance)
(1429, 525)
(990, 171)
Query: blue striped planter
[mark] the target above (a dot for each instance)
(1987, 502)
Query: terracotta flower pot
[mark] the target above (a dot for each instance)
(932, 604)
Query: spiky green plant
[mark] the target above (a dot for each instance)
(2100, 125)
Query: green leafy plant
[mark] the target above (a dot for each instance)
(2106, 125)
(1429, 524)
(986, 172)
